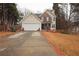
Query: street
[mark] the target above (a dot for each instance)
(26, 44)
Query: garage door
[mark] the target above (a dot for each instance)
(31, 26)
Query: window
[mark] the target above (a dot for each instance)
(53, 25)
(47, 18)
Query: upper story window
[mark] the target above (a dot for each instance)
(47, 18)
(42, 18)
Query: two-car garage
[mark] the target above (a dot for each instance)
(31, 26)
(31, 23)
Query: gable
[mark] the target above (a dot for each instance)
(31, 19)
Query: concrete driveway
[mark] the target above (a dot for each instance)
(26, 44)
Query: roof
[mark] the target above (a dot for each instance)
(51, 12)
(31, 19)
(48, 12)
(38, 15)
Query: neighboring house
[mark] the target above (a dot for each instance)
(48, 20)
(38, 15)
(31, 23)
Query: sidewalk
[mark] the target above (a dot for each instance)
(64, 44)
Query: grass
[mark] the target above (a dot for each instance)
(68, 44)
(3, 34)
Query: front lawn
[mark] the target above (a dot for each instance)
(64, 44)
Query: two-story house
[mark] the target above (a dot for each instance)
(48, 20)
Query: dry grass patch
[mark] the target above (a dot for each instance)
(2, 34)
(68, 44)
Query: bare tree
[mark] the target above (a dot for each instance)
(74, 17)
(61, 15)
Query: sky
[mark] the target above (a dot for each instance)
(35, 5)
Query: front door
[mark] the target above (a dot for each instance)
(46, 26)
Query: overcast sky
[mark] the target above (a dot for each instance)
(36, 5)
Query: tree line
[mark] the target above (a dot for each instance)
(8, 16)
(67, 19)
